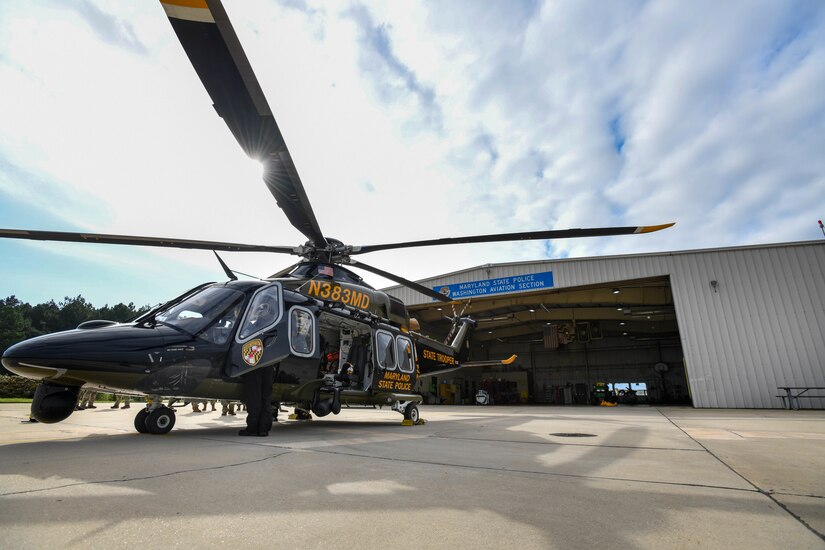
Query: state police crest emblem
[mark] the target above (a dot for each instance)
(252, 352)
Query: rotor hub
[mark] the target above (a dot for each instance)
(333, 252)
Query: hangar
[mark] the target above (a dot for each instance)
(721, 327)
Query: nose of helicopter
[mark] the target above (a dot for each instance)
(35, 358)
(51, 355)
(24, 359)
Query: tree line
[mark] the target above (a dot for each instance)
(20, 320)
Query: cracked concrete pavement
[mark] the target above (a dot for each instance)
(483, 477)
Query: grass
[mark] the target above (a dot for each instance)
(15, 400)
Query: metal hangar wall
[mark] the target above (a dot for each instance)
(716, 327)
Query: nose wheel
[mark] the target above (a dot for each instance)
(159, 420)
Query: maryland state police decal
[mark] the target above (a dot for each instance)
(252, 352)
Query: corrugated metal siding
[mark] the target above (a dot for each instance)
(763, 326)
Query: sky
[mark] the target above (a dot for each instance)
(406, 121)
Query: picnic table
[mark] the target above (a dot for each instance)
(790, 400)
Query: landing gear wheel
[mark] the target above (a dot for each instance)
(140, 421)
(160, 420)
(411, 413)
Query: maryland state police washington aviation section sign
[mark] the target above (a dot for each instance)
(501, 285)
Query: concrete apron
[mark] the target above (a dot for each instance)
(471, 477)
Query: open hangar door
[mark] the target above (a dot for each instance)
(623, 334)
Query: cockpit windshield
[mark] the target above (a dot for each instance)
(211, 312)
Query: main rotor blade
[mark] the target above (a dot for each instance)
(523, 236)
(401, 280)
(140, 241)
(209, 40)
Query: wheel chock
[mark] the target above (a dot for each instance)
(408, 422)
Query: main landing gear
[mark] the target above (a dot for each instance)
(155, 419)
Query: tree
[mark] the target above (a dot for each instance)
(14, 326)
(20, 320)
(45, 317)
(120, 312)
(74, 311)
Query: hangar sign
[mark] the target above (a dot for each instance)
(502, 285)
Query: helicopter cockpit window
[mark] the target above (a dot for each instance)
(385, 350)
(405, 354)
(263, 312)
(301, 331)
(210, 313)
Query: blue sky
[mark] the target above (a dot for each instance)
(408, 120)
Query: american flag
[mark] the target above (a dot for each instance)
(325, 270)
(551, 337)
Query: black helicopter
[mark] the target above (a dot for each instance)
(332, 339)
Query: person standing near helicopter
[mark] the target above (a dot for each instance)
(257, 383)
(257, 390)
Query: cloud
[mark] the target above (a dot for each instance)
(641, 113)
(415, 120)
(48, 197)
(717, 137)
(393, 80)
(107, 27)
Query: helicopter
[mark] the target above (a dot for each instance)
(331, 339)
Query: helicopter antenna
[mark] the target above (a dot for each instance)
(232, 276)
(231, 273)
(248, 275)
